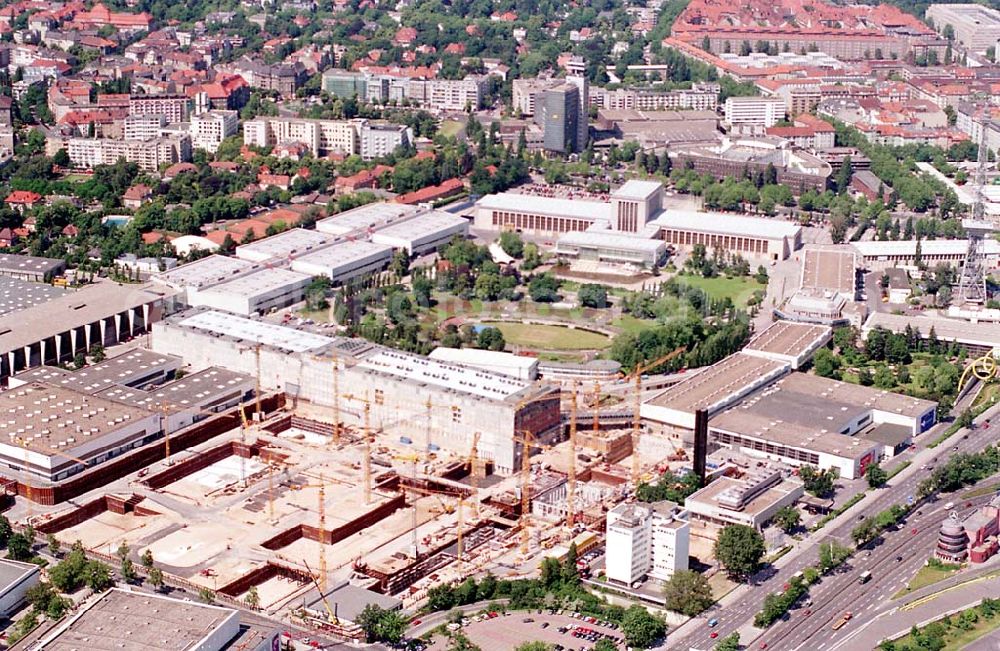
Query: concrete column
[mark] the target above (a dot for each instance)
(145, 317)
(104, 327)
(72, 342)
(12, 361)
(86, 336)
(27, 356)
(131, 321)
(118, 327)
(41, 349)
(58, 348)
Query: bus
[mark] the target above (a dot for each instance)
(865, 577)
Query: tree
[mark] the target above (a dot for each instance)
(53, 544)
(128, 572)
(18, 548)
(533, 646)
(739, 550)
(156, 578)
(381, 625)
(206, 595)
(844, 175)
(687, 592)
(544, 288)
(512, 244)
(788, 518)
(253, 598)
(5, 531)
(490, 338)
(593, 295)
(817, 482)
(147, 559)
(832, 555)
(97, 353)
(400, 265)
(97, 576)
(604, 644)
(642, 629)
(729, 643)
(316, 293)
(876, 476)
(825, 363)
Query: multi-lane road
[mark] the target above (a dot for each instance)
(841, 592)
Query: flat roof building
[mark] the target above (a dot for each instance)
(54, 421)
(423, 233)
(371, 216)
(611, 247)
(135, 621)
(789, 342)
(516, 366)
(715, 388)
(136, 368)
(830, 269)
(17, 294)
(344, 261)
(751, 237)
(878, 255)
(254, 293)
(204, 272)
(750, 500)
(975, 26)
(55, 331)
(283, 246)
(29, 267)
(808, 420)
(977, 337)
(16, 579)
(646, 540)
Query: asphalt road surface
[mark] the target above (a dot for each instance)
(914, 550)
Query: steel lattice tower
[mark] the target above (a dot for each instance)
(972, 279)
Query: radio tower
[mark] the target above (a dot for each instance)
(972, 281)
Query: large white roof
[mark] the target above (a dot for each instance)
(428, 223)
(927, 247)
(343, 253)
(365, 217)
(260, 332)
(283, 245)
(205, 271)
(610, 240)
(528, 203)
(447, 376)
(475, 356)
(725, 224)
(635, 189)
(260, 283)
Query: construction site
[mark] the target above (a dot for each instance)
(286, 497)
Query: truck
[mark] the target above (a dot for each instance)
(840, 623)
(865, 577)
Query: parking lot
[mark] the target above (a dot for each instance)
(508, 631)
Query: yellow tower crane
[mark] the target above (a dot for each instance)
(321, 510)
(571, 471)
(474, 473)
(367, 435)
(527, 442)
(637, 407)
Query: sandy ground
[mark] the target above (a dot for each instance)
(108, 530)
(276, 590)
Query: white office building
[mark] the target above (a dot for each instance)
(754, 111)
(210, 128)
(344, 261)
(646, 540)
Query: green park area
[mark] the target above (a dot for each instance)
(550, 337)
(451, 128)
(739, 289)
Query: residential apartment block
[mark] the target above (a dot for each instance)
(85, 153)
(210, 128)
(324, 137)
(173, 108)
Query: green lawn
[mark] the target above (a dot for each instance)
(926, 576)
(956, 638)
(630, 324)
(451, 128)
(549, 337)
(76, 178)
(738, 289)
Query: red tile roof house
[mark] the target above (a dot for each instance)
(22, 200)
(137, 195)
(365, 179)
(281, 181)
(432, 193)
(7, 238)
